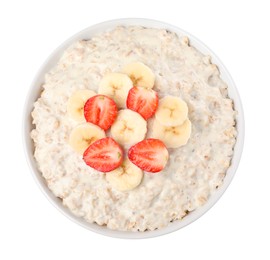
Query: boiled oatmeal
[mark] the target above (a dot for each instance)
(194, 148)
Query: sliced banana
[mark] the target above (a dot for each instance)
(76, 103)
(140, 74)
(83, 135)
(172, 111)
(126, 177)
(128, 128)
(116, 86)
(172, 136)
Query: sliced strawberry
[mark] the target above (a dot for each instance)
(150, 155)
(104, 155)
(143, 101)
(100, 110)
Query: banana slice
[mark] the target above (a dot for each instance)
(83, 135)
(76, 103)
(116, 86)
(140, 74)
(172, 136)
(126, 177)
(172, 111)
(128, 128)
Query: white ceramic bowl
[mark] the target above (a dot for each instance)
(34, 93)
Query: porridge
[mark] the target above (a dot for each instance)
(152, 103)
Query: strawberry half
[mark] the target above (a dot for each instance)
(104, 155)
(143, 101)
(150, 155)
(100, 110)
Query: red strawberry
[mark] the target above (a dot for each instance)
(143, 101)
(100, 110)
(104, 155)
(150, 155)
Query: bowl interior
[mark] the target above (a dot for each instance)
(34, 93)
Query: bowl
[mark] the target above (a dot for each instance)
(35, 90)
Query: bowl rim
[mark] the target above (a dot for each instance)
(34, 91)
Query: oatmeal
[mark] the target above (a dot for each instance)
(196, 165)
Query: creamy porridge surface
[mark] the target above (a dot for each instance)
(193, 172)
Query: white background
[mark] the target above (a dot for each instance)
(238, 226)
